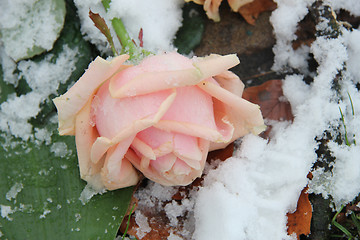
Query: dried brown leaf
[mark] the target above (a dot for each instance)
(299, 222)
(251, 11)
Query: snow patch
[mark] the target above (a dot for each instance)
(14, 190)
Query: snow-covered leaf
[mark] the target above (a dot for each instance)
(31, 27)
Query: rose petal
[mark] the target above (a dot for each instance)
(231, 82)
(160, 141)
(73, 100)
(118, 171)
(192, 114)
(181, 168)
(194, 130)
(114, 131)
(192, 105)
(236, 4)
(187, 147)
(113, 115)
(211, 7)
(143, 148)
(85, 136)
(245, 116)
(162, 169)
(164, 163)
(155, 81)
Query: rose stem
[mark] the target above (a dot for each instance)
(126, 42)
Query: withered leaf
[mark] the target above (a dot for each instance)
(269, 96)
(104, 29)
(251, 11)
(299, 222)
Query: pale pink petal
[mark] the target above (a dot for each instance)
(160, 80)
(117, 171)
(192, 114)
(99, 148)
(160, 141)
(73, 100)
(214, 64)
(115, 126)
(164, 164)
(85, 136)
(192, 105)
(113, 115)
(187, 147)
(163, 170)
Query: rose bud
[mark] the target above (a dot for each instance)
(161, 117)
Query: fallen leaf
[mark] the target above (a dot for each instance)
(251, 11)
(299, 222)
(274, 106)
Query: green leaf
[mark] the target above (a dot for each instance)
(40, 184)
(190, 33)
(40, 189)
(24, 38)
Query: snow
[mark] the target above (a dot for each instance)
(14, 190)
(142, 222)
(6, 211)
(136, 14)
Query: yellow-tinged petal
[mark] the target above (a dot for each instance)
(236, 4)
(85, 136)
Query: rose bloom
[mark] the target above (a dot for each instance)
(211, 7)
(161, 117)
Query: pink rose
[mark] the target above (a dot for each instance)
(160, 117)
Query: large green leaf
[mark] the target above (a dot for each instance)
(190, 33)
(40, 185)
(40, 193)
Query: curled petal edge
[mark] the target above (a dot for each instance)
(204, 68)
(245, 116)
